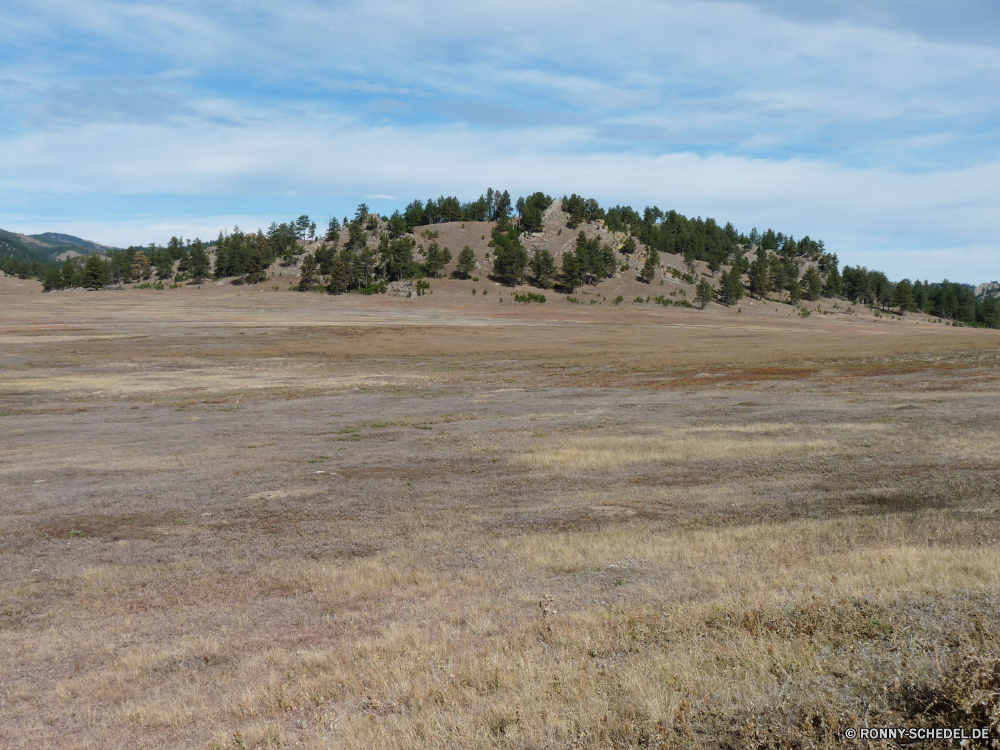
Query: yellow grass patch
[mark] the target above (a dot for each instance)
(603, 452)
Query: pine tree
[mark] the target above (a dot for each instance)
(714, 263)
(164, 266)
(308, 273)
(652, 261)
(511, 258)
(834, 283)
(813, 284)
(71, 274)
(543, 267)
(902, 296)
(142, 267)
(53, 279)
(731, 286)
(466, 262)
(333, 230)
(95, 273)
(339, 274)
(570, 271)
(704, 292)
(222, 262)
(259, 260)
(436, 258)
(760, 277)
(200, 265)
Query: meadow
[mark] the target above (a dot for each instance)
(244, 519)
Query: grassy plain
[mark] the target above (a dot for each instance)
(241, 519)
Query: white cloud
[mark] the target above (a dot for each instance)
(931, 224)
(881, 140)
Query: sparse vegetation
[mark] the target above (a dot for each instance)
(529, 297)
(541, 532)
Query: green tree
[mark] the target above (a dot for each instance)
(95, 273)
(53, 279)
(307, 278)
(164, 266)
(704, 292)
(397, 255)
(543, 267)
(332, 230)
(436, 258)
(259, 260)
(199, 267)
(902, 296)
(466, 262)
(570, 271)
(731, 286)
(795, 291)
(760, 277)
(649, 268)
(339, 273)
(301, 226)
(511, 258)
(714, 263)
(813, 284)
(689, 259)
(71, 276)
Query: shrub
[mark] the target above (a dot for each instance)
(529, 297)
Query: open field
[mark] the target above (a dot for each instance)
(234, 518)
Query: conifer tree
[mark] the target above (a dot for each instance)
(142, 266)
(333, 230)
(760, 277)
(466, 262)
(53, 279)
(704, 292)
(731, 286)
(307, 279)
(339, 270)
(164, 266)
(902, 296)
(570, 271)
(199, 267)
(95, 273)
(543, 267)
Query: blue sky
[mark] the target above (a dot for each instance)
(873, 126)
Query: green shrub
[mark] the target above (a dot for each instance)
(529, 297)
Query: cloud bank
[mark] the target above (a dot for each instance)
(875, 130)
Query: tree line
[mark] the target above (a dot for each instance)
(364, 253)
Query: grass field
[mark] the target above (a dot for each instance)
(264, 520)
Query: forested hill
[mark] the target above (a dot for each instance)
(44, 247)
(365, 253)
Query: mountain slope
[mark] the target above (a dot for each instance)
(45, 246)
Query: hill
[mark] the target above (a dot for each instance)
(45, 247)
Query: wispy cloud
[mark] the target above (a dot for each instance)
(867, 125)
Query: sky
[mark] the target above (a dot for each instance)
(871, 125)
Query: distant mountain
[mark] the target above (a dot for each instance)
(987, 290)
(47, 246)
(54, 239)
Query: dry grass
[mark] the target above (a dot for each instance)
(529, 530)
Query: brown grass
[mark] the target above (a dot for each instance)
(533, 527)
